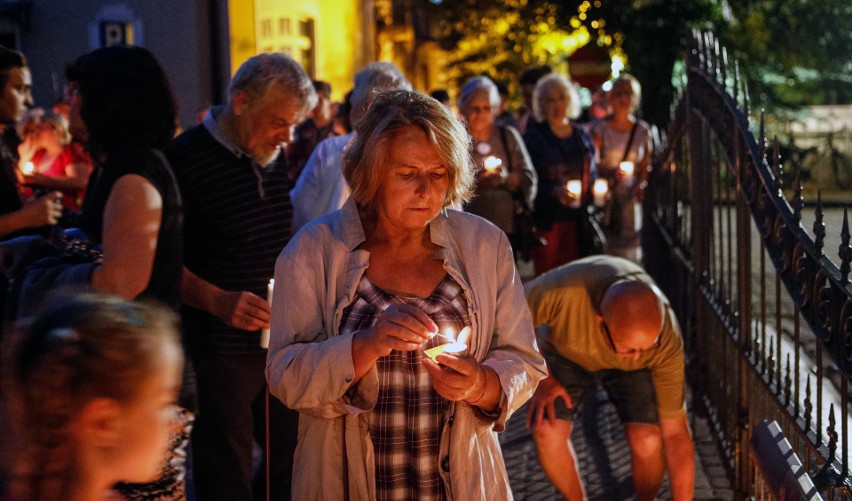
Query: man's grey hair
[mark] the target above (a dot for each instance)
(475, 85)
(372, 80)
(259, 72)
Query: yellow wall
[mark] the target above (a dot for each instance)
(340, 45)
(241, 29)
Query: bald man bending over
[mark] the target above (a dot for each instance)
(603, 320)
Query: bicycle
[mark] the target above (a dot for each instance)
(823, 155)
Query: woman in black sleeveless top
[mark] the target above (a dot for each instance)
(122, 99)
(133, 204)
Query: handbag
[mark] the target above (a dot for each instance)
(524, 237)
(35, 268)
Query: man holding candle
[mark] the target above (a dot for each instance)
(15, 97)
(602, 320)
(237, 219)
(374, 285)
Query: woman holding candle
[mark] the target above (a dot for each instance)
(564, 157)
(504, 174)
(625, 146)
(368, 290)
(49, 160)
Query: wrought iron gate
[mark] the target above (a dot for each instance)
(767, 314)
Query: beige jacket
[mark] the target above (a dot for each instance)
(309, 365)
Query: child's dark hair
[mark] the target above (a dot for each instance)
(80, 348)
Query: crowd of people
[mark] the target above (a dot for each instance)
(353, 324)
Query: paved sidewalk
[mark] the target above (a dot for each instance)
(603, 456)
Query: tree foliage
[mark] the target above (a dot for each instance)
(795, 52)
(792, 52)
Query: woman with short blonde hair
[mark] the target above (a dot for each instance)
(563, 155)
(624, 137)
(371, 292)
(365, 163)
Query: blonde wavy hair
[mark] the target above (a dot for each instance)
(365, 163)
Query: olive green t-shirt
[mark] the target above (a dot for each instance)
(567, 300)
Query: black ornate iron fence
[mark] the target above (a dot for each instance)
(767, 314)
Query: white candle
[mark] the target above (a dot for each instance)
(492, 164)
(627, 169)
(600, 190)
(575, 190)
(457, 349)
(29, 168)
(264, 333)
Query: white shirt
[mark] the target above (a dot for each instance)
(321, 187)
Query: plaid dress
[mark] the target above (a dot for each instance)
(406, 423)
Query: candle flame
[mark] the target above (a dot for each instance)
(601, 187)
(626, 168)
(450, 334)
(492, 163)
(574, 187)
(29, 167)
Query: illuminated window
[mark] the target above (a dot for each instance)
(284, 26)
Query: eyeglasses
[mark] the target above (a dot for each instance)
(630, 352)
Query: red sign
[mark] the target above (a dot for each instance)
(590, 66)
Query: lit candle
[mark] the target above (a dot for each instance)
(626, 169)
(29, 168)
(492, 164)
(264, 333)
(600, 190)
(575, 190)
(455, 347)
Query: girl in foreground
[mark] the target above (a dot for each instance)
(93, 384)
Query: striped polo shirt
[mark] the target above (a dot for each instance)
(236, 221)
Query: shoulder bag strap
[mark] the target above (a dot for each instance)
(505, 146)
(630, 140)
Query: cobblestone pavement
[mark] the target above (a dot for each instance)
(604, 458)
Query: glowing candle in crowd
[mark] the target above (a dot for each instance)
(575, 190)
(454, 347)
(626, 168)
(600, 190)
(264, 333)
(29, 168)
(492, 164)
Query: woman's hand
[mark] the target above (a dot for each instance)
(401, 327)
(542, 404)
(466, 380)
(35, 178)
(27, 149)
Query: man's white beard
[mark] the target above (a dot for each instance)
(269, 157)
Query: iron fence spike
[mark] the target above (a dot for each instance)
(845, 250)
(819, 225)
